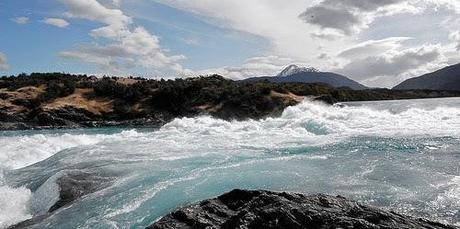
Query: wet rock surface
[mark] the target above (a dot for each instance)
(76, 186)
(72, 187)
(265, 209)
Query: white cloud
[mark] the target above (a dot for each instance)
(116, 3)
(372, 48)
(58, 22)
(277, 21)
(132, 46)
(256, 66)
(115, 20)
(450, 4)
(21, 20)
(386, 62)
(3, 62)
(394, 65)
(339, 25)
(315, 43)
(351, 16)
(455, 36)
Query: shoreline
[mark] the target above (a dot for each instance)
(57, 101)
(141, 124)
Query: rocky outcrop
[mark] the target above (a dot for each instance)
(265, 209)
(75, 186)
(72, 186)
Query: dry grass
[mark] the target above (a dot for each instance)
(78, 100)
(28, 93)
(289, 96)
(127, 81)
(209, 107)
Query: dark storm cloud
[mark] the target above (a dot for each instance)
(342, 15)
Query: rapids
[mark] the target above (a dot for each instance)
(400, 155)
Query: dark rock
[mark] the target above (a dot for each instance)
(265, 209)
(48, 119)
(30, 222)
(72, 186)
(75, 186)
(74, 114)
(7, 117)
(327, 99)
(14, 126)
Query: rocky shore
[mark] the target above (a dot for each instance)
(56, 100)
(265, 209)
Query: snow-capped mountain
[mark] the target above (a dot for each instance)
(296, 74)
(294, 69)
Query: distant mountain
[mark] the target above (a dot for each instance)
(296, 74)
(447, 79)
(294, 69)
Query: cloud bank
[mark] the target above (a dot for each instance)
(330, 35)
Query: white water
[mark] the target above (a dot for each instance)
(399, 155)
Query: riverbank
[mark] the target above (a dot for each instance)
(55, 100)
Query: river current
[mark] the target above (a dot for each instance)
(399, 155)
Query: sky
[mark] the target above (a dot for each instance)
(378, 43)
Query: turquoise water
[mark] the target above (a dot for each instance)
(400, 155)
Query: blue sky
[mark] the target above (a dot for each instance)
(34, 46)
(378, 43)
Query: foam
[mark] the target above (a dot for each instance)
(20, 151)
(449, 199)
(307, 124)
(14, 205)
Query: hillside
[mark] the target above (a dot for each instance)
(297, 74)
(445, 79)
(56, 100)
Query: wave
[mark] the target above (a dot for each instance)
(307, 124)
(19, 203)
(24, 150)
(313, 123)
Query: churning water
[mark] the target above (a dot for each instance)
(400, 155)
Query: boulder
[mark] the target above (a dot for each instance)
(265, 209)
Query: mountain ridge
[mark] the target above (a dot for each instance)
(294, 69)
(295, 74)
(447, 78)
